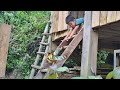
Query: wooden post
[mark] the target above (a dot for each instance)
(93, 51)
(4, 43)
(89, 49)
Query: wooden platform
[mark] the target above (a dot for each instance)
(109, 35)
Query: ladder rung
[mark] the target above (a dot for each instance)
(44, 43)
(46, 33)
(38, 67)
(41, 53)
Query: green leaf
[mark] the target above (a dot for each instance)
(62, 69)
(53, 76)
(95, 77)
(109, 75)
(78, 78)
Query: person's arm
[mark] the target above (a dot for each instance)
(73, 31)
(69, 33)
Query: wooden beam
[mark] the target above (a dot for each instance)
(94, 48)
(87, 46)
(4, 43)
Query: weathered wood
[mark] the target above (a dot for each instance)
(86, 49)
(38, 67)
(117, 61)
(4, 43)
(95, 18)
(93, 50)
(111, 17)
(80, 14)
(75, 68)
(103, 17)
(74, 14)
(39, 50)
(65, 15)
(117, 15)
(73, 44)
(61, 21)
(41, 53)
(46, 33)
(58, 35)
(55, 21)
(53, 46)
(44, 43)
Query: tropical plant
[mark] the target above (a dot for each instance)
(27, 27)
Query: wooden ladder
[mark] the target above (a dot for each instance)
(66, 52)
(47, 33)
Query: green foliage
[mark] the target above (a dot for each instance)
(101, 57)
(89, 77)
(116, 73)
(62, 69)
(27, 27)
(53, 76)
(109, 75)
(70, 63)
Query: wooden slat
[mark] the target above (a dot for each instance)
(103, 17)
(74, 14)
(117, 15)
(58, 35)
(60, 21)
(65, 13)
(44, 43)
(55, 21)
(80, 14)
(4, 43)
(46, 33)
(41, 53)
(95, 18)
(111, 17)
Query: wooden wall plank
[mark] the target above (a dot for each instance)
(60, 21)
(55, 21)
(74, 14)
(111, 17)
(80, 14)
(4, 43)
(103, 17)
(65, 15)
(117, 15)
(95, 18)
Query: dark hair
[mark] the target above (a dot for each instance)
(69, 18)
